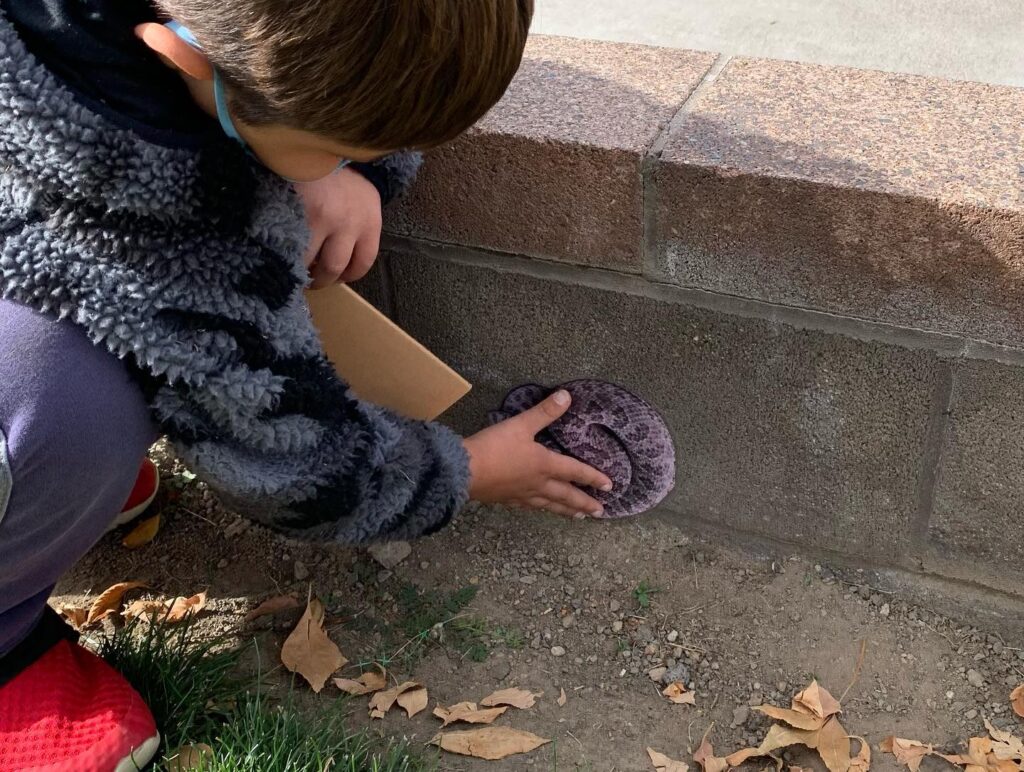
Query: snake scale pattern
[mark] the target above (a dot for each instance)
(613, 431)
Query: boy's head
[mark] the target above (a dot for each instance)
(312, 81)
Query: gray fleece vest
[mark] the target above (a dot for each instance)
(187, 264)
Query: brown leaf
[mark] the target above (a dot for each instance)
(109, 600)
(562, 699)
(492, 742)
(273, 606)
(705, 755)
(468, 713)
(382, 702)
(907, 752)
(180, 608)
(143, 533)
(76, 616)
(833, 745)
(1017, 700)
(414, 700)
(778, 736)
(515, 698)
(144, 608)
(371, 681)
(1006, 745)
(677, 693)
(190, 757)
(862, 761)
(818, 701)
(794, 718)
(663, 763)
(309, 651)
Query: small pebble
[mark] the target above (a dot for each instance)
(557, 651)
(740, 716)
(975, 679)
(301, 571)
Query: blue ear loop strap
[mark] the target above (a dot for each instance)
(220, 97)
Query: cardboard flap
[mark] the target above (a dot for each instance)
(381, 362)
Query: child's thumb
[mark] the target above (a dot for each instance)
(542, 415)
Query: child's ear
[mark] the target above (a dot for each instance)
(174, 51)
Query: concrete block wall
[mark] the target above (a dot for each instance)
(815, 273)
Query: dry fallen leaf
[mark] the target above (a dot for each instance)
(147, 609)
(75, 616)
(1002, 752)
(705, 755)
(833, 745)
(1017, 700)
(309, 651)
(678, 694)
(382, 702)
(414, 700)
(190, 757)
(562, 699)
(109, 600)
(831, 742)
(169, 611)
(908, 752)
(371, 681)
(143, 533)
(1007, 745)
(663, 763)
(515, 698)
(273, 606)
(794, 718)
(818, 701)
(468, 713)
(492, 742)
(862, 761)
(180, 608)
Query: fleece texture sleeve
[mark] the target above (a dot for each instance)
(391, 175)
(185, 260)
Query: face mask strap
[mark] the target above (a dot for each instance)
(219, 95)
(220, 98)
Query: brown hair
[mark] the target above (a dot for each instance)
(381, 74)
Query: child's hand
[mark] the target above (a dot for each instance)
(508, 466)
(343, 212)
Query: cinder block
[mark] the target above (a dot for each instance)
(554, 170)
(800, 436)
(978, 524)
(887, 197)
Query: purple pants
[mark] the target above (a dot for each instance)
(74, 429)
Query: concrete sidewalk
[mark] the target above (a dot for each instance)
(980, 40)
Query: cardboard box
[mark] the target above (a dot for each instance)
(381, 362)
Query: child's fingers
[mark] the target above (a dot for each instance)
(542, 415)
(334, 257)
(363, 257)
(571, 497)
(573, 471)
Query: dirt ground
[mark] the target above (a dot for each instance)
(590, 608)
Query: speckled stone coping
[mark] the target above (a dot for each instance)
(555, 170)
(887, 197)
(884, 197)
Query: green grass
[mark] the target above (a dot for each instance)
(261, 738)
(196, 695)
(428, 618)
(644, 593)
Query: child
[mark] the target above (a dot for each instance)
(152, 245)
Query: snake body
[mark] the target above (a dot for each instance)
(613, 431)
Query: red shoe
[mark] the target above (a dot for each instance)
(69, 711)
(142, 495)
